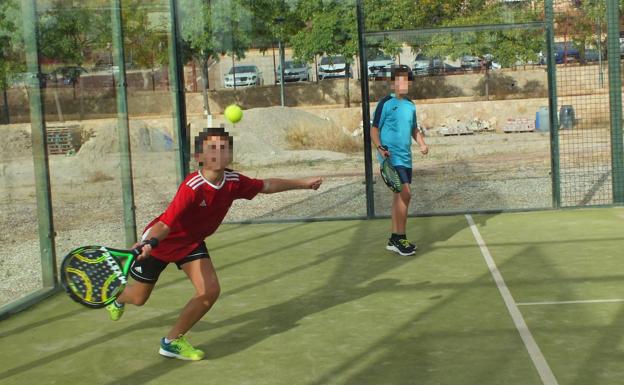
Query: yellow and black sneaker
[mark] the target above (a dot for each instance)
(401, 246)
(181, 349)
(115, 311)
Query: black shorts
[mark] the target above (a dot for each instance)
(148, 270)
(405, 174)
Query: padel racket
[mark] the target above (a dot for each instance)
(390, 175)
(95, 275)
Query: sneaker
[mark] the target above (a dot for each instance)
(181, 349)
(401, 246)
(413, 246)
(115, 312)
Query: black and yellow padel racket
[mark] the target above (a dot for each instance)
(95, 275)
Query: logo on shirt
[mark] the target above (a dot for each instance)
(203, 203)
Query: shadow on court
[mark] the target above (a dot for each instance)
(354, 278)
(359, 260)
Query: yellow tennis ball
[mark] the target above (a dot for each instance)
(233, 113)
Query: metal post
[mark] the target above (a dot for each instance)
(552, 104)
(123, 131)
(600, 64)
(281, 57)
(39, 148)
(615, 100)
(368, 158)
(176, 75)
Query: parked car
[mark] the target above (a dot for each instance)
(332, 67)
(294, 72)
(385, 72)
(566, 52)
(490, 62)
(376, 61)
(593, 55)
(245, 75)
(425, 65)
(447, 69)
(469, 62)
(68, 75)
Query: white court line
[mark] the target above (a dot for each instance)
(570, 302)
(547, 376)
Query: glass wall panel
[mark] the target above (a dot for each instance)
(310, 125)
(77, 50)
(147, 30)
(480, 92)
(20, 261)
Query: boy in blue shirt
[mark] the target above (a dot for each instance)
(394, 126)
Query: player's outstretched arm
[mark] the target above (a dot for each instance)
(275, 185)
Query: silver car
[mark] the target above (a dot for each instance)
(245, 75)
(294, 72)
(333, 67)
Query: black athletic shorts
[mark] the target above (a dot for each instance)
(148, 270)
(405, 174)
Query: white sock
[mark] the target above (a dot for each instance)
(120, 305)
(167, 340)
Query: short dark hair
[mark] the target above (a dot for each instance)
(400, 70)
(211, 131)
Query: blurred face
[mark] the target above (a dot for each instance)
(217, 153)
(400, 85)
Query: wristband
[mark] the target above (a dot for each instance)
(152, 242)
(382, 148)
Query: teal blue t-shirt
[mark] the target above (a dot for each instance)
(396, 120)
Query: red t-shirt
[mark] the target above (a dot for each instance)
(198, 209)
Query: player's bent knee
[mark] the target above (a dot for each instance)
(210, 294)
(208, 299)
(406, 193)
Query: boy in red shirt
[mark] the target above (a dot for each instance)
(197, 210)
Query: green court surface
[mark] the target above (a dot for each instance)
(539, 301)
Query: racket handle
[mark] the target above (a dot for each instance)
(383, 148)
(152, 242)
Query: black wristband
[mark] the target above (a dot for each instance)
(382, 148)
(152, 242)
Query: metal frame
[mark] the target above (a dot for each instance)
(123, 132)
(457, 29)
(552, 105)
(176, 78)
(368, 156)
(615, 100)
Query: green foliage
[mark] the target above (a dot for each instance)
(145, 35)
(68, 34)
(331, 29)
(11, 44)
(507, 47)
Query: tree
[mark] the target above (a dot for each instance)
(144, 38)
(69, 34)
(215, 28)
(331, 29)
(11, 51)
